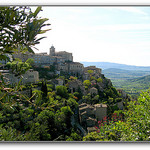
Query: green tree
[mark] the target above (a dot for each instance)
(72, 103)
(90, 71)
(100, 80)
(44, 89)
(134, 127)
(66, 110)
(38, 132)
(62, 91)
(18, 67)
(86, 83)
(10, 134)
(19, 30)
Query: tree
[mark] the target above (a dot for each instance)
(30, 61)
(100, 80)
(44, 89)
(66, 110)
(62, 91)
(19, 29)
(86, 83)
(18, 67)
(135, 125)
(72, 103)
(90, 71)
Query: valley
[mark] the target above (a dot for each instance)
(132, 79)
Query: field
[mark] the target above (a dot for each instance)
(132, 82)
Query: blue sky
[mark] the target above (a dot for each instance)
(111, 34)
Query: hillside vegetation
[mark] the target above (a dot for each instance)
(114, 73)
(131, 81)
(135, 86)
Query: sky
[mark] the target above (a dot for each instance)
(118, 34)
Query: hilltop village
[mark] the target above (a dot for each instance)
(62, 60)
(94, 94)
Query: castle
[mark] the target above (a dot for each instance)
(62, 60)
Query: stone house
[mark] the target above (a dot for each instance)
(75, 86)
(89, 115)
(72, 67)
(91, 122)
(100, 111)
(82, 105)
(96, 72)
(94, 69)
(66, 55)
(62, 60)
(29, 77)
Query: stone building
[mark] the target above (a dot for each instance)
(66, 55)
(91, 122)
(62, 60)
(29, 77)
(94, 69)
(96, 72)
(40, 59)
(89, 115)
(72, 67)
(100, 111)
(43, 59)
(75, 86)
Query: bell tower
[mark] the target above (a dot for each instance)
(52, 51)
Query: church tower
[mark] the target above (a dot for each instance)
(52, 51)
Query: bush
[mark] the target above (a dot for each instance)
(62, 91)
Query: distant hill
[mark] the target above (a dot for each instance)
(114, 73)
(135, 86)
(132, 79)
(142, 80)
(107, 65)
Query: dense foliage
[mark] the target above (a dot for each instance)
(134, 126)
(131, 81)
(19, 29)
(50, 111)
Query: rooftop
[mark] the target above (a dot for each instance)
(100, 105)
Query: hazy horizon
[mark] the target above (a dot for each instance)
(117, 34)
(112, 63)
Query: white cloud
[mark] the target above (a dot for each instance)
(133, 10)
(117, 27)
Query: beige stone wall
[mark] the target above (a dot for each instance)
(43, 59)
(29, 77)
(73, 67)
(64, 54)
(76, 67)
(95, 70)
(89, 114)
(100, 112)
(90, 122)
